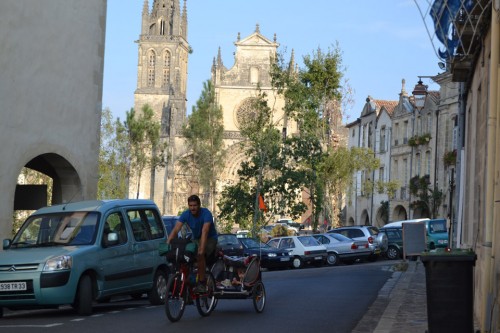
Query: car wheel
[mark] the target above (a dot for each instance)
(83, 301)
(332, 259)
(158, 293)
(297, 262)
(392, 253)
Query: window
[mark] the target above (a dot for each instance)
(381, 174)
(396, 133)
(427, 162)
(382, 140)
(254, 75)
(151, 68)
(114, 223)
(166, 69)
(145, 224)
(405, 132)
(418, 164)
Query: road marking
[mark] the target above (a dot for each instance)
(41, 326)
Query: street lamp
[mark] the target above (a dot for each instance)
(420, 94)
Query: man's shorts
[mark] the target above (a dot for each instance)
(210, 246)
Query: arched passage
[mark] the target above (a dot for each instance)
(399, 213)
(365, 218)
(66, 183)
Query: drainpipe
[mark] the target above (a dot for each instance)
(492, 165)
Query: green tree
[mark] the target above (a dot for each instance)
(268, 171)
(204, 133)
(112, 167)
(311, 98)
(145, 147)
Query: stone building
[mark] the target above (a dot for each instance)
(162, 83)
(52, 59)
(371, 130)
(237, 86)
(411, 140)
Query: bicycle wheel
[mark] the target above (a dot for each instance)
(205, 303)
(176, 297)
(259, 296)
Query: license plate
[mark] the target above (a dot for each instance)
(318, 258)
(284, 259)
(12, 286)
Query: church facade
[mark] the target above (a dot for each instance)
(162, 84)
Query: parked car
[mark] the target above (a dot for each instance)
(243, 233)
(81, 252)
(291, 223)
(395, 242)
(230, 245)
(270, 257)
(436, 231)
(170, 221)
(303, 249)
(340, 248)
(377, 241)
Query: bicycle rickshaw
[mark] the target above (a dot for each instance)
(228, 278)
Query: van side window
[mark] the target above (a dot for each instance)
(114, 223)
(145, 224)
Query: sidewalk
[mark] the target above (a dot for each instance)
(401, 305)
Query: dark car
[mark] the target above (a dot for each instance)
(230, 245)
(270, 257)
(395, 242)
(169, 221)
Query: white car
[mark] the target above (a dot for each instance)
(294, 230)
(303, 249)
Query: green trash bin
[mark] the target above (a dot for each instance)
(449, 277)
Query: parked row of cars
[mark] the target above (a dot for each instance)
(297, 251)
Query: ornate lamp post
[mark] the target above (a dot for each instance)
(420, 94)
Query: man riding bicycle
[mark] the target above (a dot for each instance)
(201, 222)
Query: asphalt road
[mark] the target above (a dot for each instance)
(326, 299)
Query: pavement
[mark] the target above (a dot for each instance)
(401, 305)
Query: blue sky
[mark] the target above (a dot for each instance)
(382, 42)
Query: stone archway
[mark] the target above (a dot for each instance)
(66, 183)
(365, 218)
(399, 213)
(379, 218)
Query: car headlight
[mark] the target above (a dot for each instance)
(58, 263)
(271, 255)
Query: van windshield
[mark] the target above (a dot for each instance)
(68, 228)
(438, 226)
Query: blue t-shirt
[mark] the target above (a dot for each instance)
(196, 223)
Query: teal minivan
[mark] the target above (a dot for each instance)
(82, 252)
(436, 231)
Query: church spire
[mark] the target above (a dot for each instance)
(184, 24)
(145, 8)
(403, 89)
(219, 58)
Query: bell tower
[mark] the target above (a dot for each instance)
(162, 83)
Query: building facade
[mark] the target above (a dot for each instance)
(413, 145)
(51, 101)
(162, 84)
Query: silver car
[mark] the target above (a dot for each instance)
(377, 240)
(341, 248)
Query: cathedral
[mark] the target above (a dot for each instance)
(162, 84)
